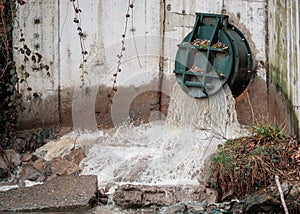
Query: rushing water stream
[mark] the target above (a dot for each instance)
(160, 152)
(166, 152)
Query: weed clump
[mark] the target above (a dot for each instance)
(242, 166)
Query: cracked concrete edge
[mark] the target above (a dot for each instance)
(63, 193)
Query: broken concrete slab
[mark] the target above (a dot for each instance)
(63, 193)
(136, 196)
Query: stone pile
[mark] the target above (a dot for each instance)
(24, 167)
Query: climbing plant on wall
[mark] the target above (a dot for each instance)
(9, 96)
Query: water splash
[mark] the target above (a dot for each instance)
(160, 152)
(216, 113)
(170, 152)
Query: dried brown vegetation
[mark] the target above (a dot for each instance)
(247, 164)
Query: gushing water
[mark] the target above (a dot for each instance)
(166, 152)
(216, 113)
(160, 152)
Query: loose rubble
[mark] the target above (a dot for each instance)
(13, 166)
(55, 185)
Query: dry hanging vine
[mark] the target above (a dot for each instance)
(82, 36)
(119, 56)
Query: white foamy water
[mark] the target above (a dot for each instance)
(216, 114)
(133, 154)
(160, 152)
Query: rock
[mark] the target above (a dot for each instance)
(4, 166)
(10, 159)
(102, 197)
(39, 166)
(30, 173)
(285, 189)
(144, 196)
(56, 166)
(105, 194)
(261, 203)
(157, 197)
(293, 194)
(196, 207)
(205, 176)
(228, 195)
(64, 193)
(128, 196)
(222, 211)
(13, 157)
(75, 156)
(61, 166)
(188, 193)
(212, 196)
(176, 208)
(4, 174)
(237, 207)
(47, 169)
(28, 157)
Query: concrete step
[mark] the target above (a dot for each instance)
(63, 193)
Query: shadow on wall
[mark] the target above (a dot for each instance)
(265, 103)
(135, 104)
(258, 103)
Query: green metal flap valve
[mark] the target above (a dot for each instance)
(214, 53)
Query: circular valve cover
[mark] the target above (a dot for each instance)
(213, 54)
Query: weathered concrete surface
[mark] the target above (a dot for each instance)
(135, 196)
(64, 193)
(264, 103)
(94, 109)
(284, 49)
(154, 29)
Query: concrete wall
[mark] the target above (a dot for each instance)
(153, 30)
(284, 50)
(38, 21)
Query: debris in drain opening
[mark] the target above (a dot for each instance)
(196, 69)
(202, 43)
(219, 45)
